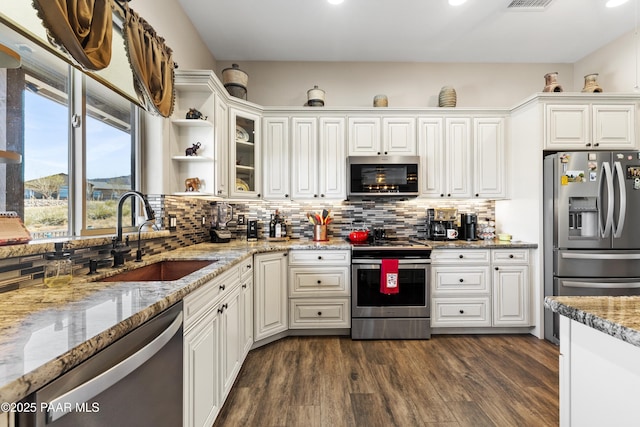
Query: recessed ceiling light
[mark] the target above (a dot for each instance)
(456, 2)
(335, 1)
(614, 3)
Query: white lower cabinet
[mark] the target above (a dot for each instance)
(511, 287)
(201, 372)
(270, 279)
(246, 305)
(466, 294)
(231, 344)
(215, 339)
(319, 289)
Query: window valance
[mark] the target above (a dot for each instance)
(82, 28)
(152, 63)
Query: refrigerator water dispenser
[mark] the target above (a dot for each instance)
(583, 217)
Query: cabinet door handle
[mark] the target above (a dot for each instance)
(596, 144)
(319, 313)
(244, 286)
(497, 269)
(460, 256)
(477, 195)
(321, 195)
(319, 281)
(461, 311)
(588, 144)
(222, 287)
(286, 195)
(319, 256)
(510, 255)
(220, 310)
(461, 280)
(441, 194)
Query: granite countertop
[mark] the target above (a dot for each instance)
(45, 332)
(477, 244)
(618, 316)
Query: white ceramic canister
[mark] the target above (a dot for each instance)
(315, 97)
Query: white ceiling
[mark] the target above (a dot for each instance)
(407, 30)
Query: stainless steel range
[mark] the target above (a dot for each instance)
(404, 315)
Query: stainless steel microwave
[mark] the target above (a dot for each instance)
(382, 175)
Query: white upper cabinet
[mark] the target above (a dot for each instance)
(489, 158)
(304, 152)
(276, 158)
(445, 157)
(221, 161)
(373, 136)
(318, 158)
(333, 164)
(399, 136)
(193, 91)
(244, 154)
(459, 162)
(590, 126)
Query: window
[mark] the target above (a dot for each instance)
(79, 148)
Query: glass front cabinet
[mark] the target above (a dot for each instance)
(244, 154)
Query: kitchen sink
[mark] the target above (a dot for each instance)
(163, 270)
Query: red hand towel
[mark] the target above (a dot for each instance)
(389, 277)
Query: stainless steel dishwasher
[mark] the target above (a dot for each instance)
(136, 381)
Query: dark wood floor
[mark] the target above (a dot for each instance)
(450, 380)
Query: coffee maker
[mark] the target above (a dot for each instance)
(441, 224)
(468, 226)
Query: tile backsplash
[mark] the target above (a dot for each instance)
(403, 218)
(24, 265)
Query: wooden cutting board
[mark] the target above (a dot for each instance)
(12, 230)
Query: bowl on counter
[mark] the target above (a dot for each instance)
(504, 237)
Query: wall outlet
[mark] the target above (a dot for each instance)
(204, 220)
(240, 219)
(173, 222)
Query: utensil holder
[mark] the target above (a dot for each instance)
(319, 233)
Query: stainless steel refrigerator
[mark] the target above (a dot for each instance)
(591, 226)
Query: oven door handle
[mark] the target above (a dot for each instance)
(407, 262)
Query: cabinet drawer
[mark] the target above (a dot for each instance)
(460, 256)
(319, 313)
(329, 281)
(456, 280)
(246, 268)
(451, 312)
(199, 302)
(320, 257)
(510, 256)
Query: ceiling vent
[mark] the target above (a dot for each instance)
(529, 4)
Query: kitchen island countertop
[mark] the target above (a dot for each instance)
(618, 316)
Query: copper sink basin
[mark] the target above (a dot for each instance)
(163, 271)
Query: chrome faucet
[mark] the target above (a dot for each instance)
(120, 249)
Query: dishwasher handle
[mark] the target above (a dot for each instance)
(100, 383)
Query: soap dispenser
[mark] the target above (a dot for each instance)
(58, 270)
